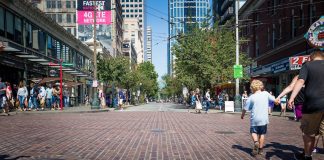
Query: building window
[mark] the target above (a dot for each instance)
(53, 4)
(2, 22)
(280, 29)
(74, 18)
(68, 18)
(18, 30)
(28, 35)
(10, 25)
(59, 18)
(48, 4)
(35, 37)
(68, 30)
(53, 17)
(74, 4)
(59, 4)
(312, 14)
(257, 48)
(269, 36)
(301, 16)
(68, 4)
(274, 36)
(293, 25)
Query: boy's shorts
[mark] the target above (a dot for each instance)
(312, 124)
(259, 129)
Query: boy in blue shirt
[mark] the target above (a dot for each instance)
(258, 104)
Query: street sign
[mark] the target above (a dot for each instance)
(296, 63)
(238, 71)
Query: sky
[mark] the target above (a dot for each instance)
(155, 10)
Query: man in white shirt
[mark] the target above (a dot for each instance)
(208, 100)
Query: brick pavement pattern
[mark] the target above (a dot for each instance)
(142, 135)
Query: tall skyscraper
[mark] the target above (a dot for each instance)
(149, 44)
(135, 9)
(182, 13)
(224, 10)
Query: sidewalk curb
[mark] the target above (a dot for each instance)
(58, 112)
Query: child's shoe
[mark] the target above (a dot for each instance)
(255, 150)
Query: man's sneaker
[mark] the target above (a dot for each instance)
(315, 150)
(255, 150)
(260, 151)
(301, 156)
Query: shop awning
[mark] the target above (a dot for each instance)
(72, 84)
(49, 79)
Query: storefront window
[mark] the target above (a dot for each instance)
(42, 41)
(2, 22)
(28, 35)
(10, 25)
(49, 46)
(18, 30)
(35, 37)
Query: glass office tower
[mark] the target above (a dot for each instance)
(181, 13)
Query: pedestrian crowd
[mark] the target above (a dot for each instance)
(35, 97)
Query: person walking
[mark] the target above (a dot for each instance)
(198, 101)
(312, 122)
(42, 96)
(299, 99)
(56, 94)
(3, 105)
(283, 104)
(271, 105)
(49, 96)
(208, 100)
(66, 95)
(22, 95)
(258, 104)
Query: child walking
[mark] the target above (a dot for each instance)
(258, 104)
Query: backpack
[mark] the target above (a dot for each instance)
(35, 91)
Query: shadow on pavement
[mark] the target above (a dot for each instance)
(244, 149)
(281, 151)
(7, 157)
(275, 149)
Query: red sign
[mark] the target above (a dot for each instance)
(320, 36)
(297, 62)
(87, 17)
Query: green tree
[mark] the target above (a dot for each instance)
(113, 70)
(205, 57)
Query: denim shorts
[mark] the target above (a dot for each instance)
(259, 129)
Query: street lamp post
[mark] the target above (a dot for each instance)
(95, 102)
(237, 84)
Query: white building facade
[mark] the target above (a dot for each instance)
(149, 44)
(133, 33)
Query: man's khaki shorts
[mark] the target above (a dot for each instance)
(312, 124)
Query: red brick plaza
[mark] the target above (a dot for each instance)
(142, 135)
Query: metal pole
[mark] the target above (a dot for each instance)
(95, 103)
(61, 85)
(237, 84)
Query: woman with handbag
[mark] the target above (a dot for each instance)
(21, 95)
(198, 102)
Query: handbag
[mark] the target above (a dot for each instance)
(17, 104)
(198, 105)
